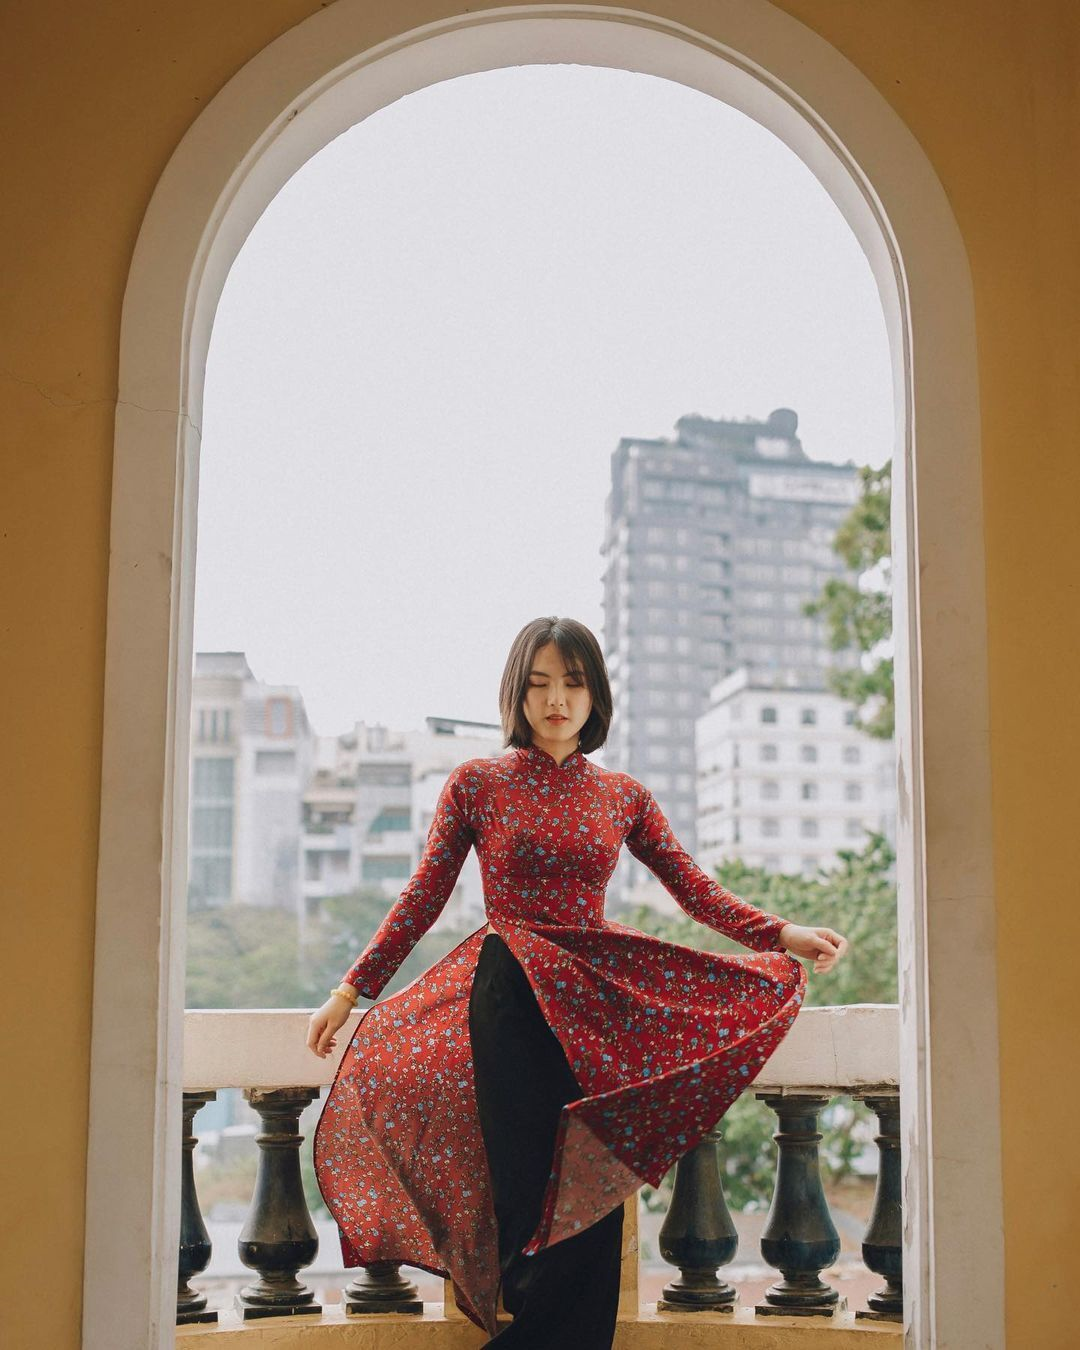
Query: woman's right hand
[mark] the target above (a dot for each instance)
(322, 1024)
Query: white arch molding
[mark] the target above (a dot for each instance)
(289, 101)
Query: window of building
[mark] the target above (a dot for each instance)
(391, 818)
(212, 779)
(770, 826)
(278, 717)
(214, 724)
(808, 717)
(809, 792)
(808, 827)
(770, 789)
(210, 865)
(712, 653)
(768, 752)
(768, 714)
(210, 879)
(853, 829)
(212, 826)
(853, 792)
(849, 717)
(275, 761)
(808, 754)
(809, 866)
(388, 867)
(771, 862)
(852, 754)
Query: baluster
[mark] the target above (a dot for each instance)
(697, 1234)
(882, 1247)
(381, 1288)
(799, 1238)
(278, 1238)
(195, 1247)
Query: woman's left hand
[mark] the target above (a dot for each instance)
(823, 945)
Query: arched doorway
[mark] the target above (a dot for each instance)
(289, 101)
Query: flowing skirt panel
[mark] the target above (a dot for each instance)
(661, 1038)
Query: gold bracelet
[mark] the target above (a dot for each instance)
(346, 991)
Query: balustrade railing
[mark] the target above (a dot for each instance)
(829, 1052)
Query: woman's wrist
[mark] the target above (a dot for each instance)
(345, 991)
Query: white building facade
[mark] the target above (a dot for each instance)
(785, 779)
(282, 818)
(369, 805)
(251, 754)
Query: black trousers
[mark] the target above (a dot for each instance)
(567, 1294)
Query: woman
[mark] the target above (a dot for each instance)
(487, 1121)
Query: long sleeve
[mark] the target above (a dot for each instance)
(652, 842)
(449, 838)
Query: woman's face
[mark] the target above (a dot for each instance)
(557, 702)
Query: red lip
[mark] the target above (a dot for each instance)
(557, 719)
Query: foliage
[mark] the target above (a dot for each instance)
(244, 956)
(857, 897)
(747, 1151)
(859, 614)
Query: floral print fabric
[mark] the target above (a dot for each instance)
(661, 1038)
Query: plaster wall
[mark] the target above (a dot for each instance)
(95, 100)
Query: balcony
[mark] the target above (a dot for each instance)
(830, 1051)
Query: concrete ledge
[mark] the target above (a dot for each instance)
(856, 1045)
(650, 1330)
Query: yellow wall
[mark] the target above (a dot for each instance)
(96, 98)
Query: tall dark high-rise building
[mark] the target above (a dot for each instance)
(714, 539)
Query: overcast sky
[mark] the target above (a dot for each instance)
(434, 337)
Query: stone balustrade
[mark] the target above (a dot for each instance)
(849, 1050)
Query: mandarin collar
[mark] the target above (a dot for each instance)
(536, 757)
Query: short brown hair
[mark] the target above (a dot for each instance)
(580, 650)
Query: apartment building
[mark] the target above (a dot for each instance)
(785, 778)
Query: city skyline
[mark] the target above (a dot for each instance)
(435, 337)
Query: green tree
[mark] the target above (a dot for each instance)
(857, 897)
(244, 956)
(859, 614)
